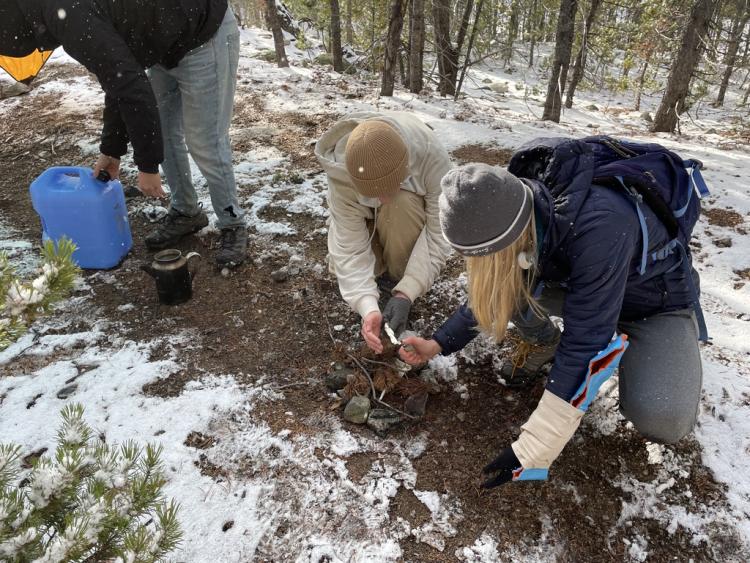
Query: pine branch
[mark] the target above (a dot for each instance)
(89, 502)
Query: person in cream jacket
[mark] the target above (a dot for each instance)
(384, 172)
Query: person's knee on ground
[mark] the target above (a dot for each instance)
(659, 423)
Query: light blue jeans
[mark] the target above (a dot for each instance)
(196, 101)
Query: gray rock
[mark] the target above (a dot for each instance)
(338, 377)
(723, 242)
(280, 275)
(487, 81)
(499, 87)
(712, 131)
(592, 107)
(416, 404)
(14, 89)
(646, 116)
(383, 420)
(357, 410)
(67, 391)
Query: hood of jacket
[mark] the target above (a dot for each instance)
(331, 147)
(562, 170)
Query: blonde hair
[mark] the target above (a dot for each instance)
(499, 287)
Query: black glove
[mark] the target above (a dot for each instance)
(502, 469)
(396, 314)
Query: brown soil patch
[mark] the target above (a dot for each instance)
(723, 217)
(487, 154)
(292, 133)
(199, 441)
(744, 274)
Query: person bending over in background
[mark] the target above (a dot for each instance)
(582, 244)
(384, 172)
(183, 105)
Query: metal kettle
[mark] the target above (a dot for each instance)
(174, 282)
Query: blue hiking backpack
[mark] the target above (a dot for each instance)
(671, 187)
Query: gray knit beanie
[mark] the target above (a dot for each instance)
(483, 209)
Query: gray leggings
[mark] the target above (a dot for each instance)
(660, 375)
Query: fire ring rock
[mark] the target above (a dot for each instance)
(357, 410)
(383, 420)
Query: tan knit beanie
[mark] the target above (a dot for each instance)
(377, 159)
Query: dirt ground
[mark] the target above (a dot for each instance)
(250, 325)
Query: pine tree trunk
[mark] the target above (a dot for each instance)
(580, 64)
(685, 63)
(467, 61)
(563, 47)
(532, 31)
(641, 81)
(338, 57)
(446, 55)
(512, 32)
(274, 24)
(416, 46)
(349, 27)
(392, 46)
(731, 57)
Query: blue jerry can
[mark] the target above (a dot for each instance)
(90, 212)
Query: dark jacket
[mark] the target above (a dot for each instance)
(116, 40)
(592, 247)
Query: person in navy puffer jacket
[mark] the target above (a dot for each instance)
(542, 238)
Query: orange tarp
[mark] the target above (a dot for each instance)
(25, 69)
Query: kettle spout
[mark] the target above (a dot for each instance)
(149, 270)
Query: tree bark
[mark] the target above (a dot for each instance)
(447, 54)
(392, 46)
(416, 46)
(580, 64)
(731, 57)
(274, 24)
(532, 33)
(512, 32)
(338, 56)
(441, 15)
(685, 63)
(469, 48)
(563, 47)
(641, 81)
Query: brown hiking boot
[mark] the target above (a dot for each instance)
(524, 366)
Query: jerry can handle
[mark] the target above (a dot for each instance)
(104, 176)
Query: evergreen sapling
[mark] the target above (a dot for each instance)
(89, 502)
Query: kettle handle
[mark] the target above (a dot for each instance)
(188, 256)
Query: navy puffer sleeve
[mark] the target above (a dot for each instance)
(599, 250)
(457, 331)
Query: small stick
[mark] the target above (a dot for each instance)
(369, 361)
(367, 373)
(374, 393)
(299, 384)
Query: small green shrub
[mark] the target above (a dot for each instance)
(89, 502)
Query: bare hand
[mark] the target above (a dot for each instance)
(150, 184)
(109, 164)
(420, 350)
(371, 331)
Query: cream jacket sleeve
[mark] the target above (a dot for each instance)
(431, 249)
(349, 250)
